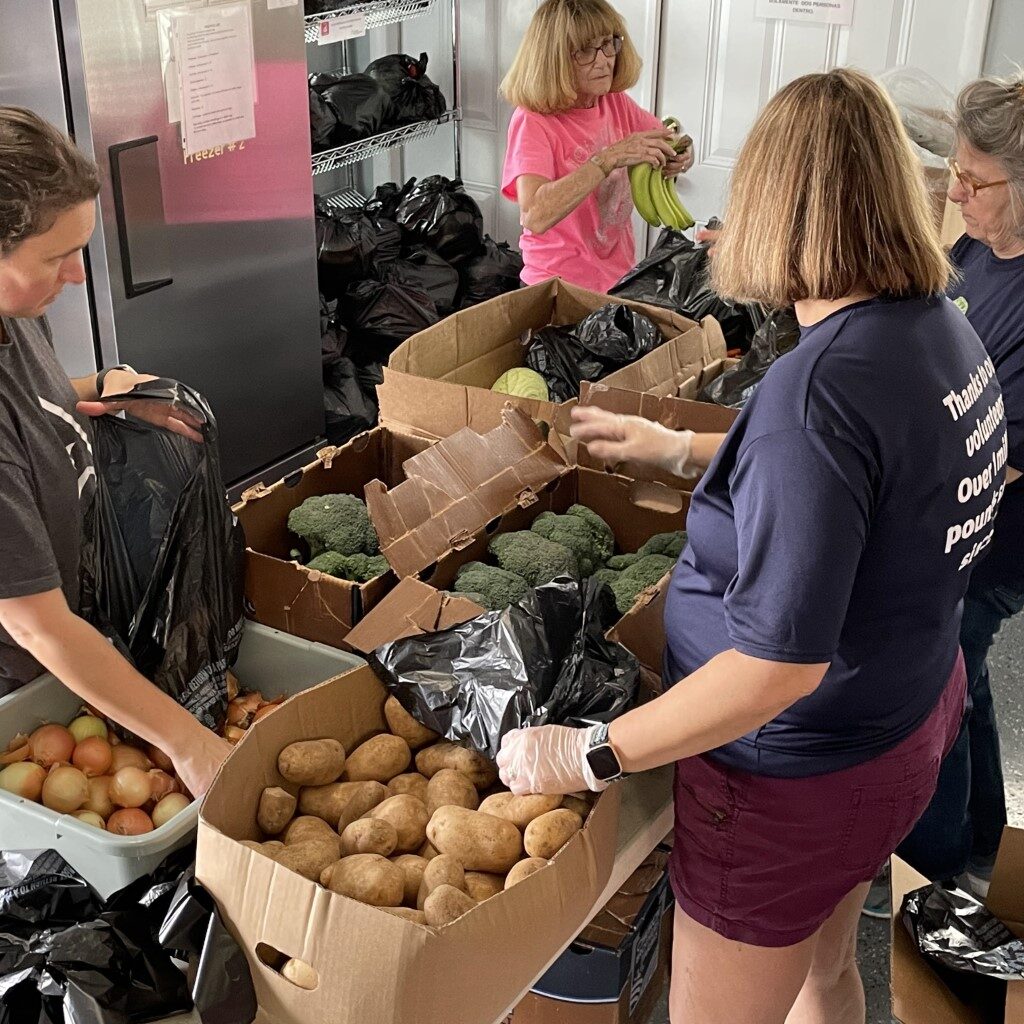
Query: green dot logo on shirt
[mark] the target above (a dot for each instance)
(961, 303)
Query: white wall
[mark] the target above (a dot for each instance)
(1005, 37)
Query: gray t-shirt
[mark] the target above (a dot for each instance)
(47, 480)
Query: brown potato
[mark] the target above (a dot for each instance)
(524, 869)
(412, 867)
(416, 916)
(546, 835)
(359, 800)
(409, 784)
(494, 804)
(307, 827)
(299, 973)
(576, 803)
(312, 762)
(477, 768)
(441, 870)
(252, 844)
(427, 851)
(368, 878)
(445, 905)
(326, 802)
(521, 810)
(480, 842)
(402, 724)
(369, 835)
(409, 817)
(277, 808)
(272, 848)
(309, 858)
(379, 759)
(482, 886)
(451, 787)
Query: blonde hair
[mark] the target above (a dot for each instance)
(543, 75)
(827, 199)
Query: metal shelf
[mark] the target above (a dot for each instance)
(355, 152)
(378, 14)
(343, 199)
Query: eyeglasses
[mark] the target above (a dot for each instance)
(588, 54)
(968, 184)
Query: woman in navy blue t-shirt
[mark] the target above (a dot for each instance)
(812, 624)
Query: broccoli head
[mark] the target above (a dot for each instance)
(533, 557)
(598, 527)
(639, 576)
(620, 562)
(574, 533)
(489, 586)
(358, 568)
(670, 544)
(480, 599)
(334, 522)
(608, 576)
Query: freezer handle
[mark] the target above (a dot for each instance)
(132, 288)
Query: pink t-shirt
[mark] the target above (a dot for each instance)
(593, 247)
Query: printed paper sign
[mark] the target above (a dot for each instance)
(343, 26)
(819, 12)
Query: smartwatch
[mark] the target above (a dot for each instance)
(603, 760)
(102, 375)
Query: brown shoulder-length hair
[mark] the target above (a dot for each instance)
(543, 75)
(42, 174)
(827, 199)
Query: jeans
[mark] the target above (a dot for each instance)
(963, 825)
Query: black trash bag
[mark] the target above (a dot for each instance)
(439, 213)
(778, 334)
(424, 271)
(350, 399)
(382, 314)
(333, 333)
(326, 6)
(387, 198)
(350, 245)
(357, 101)
(494, 271)
(163, 563)
(322, 122)
(609, 338)
(544, 660)
(675, 275)
(414, 97)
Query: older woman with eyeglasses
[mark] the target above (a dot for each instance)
(571, 139)
(961, 830)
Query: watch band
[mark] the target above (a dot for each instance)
(601, 756)
(102, 375)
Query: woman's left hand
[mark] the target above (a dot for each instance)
(160, 414)
(679, 164)
(547, 759)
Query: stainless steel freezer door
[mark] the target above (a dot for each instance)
(221, 287)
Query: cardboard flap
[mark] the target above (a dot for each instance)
(455, 488)
(1006, 894)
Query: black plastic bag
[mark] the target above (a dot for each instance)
(494, 271)
(439, 213)
(351, 245)
(333, 333)
(382, 315)
(358, 102)
(542, 661)
(163, 565)
(675, 275)
(387, 198)
(350, 399)
(609, 338)
(778, 334)
(413, 96)
(424, 271)
(322, 122)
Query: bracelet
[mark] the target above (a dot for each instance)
(596, 161)
(102, 376)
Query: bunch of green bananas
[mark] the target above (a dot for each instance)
(655, 197)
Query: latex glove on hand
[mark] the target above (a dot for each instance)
(547, 759)
(160, 414)
(616, 438)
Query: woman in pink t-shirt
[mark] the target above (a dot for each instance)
(572, 138)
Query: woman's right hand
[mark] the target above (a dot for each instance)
(199, 759)
(650, 147)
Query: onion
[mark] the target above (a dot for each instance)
(16, 754)
(130, 787)
(65, 789)
(127, 756)
(161, 784)
(51, 744)
(99, 797)
(91, 818)
(130, 822)
(171, 805)
(19, 741)
(93, 756)
(264, 711)
(24, 779)
(87, 725)
(159, 758)
(233, 734)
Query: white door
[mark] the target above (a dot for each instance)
(720, 64)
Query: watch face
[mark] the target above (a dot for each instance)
(603, 763)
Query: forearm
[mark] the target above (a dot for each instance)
(85, 388)
(555, 200)
(730, 696)
(704, 449)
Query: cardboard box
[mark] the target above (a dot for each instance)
(919, 996)
(279, 591)
(370, 965)
(440, 379)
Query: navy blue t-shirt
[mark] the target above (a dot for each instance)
(991, 293)
(838, 523)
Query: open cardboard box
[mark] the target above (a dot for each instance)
(279, 591)
(919, 996)
(440, 379)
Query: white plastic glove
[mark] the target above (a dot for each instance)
(617, 438)
(547, 759)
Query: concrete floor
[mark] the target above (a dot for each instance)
(1006, 665)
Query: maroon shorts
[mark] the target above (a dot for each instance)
(766, 861)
